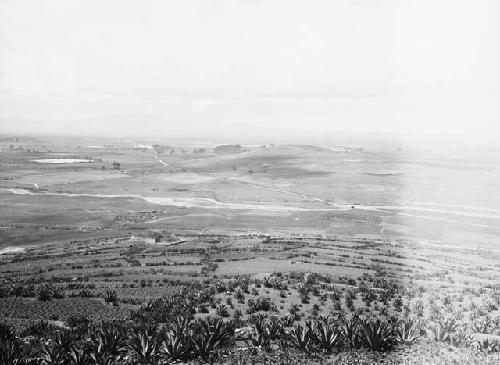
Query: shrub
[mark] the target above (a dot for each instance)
(461, 338)
(7, 332)
(487, 346)
(376, 335)
(79, 324)
(327, 336)
(440, 331)
(301, 338)
(107, 343)
(482, 325)
(57, 292)
(57, 351)
(45, 292)
(240, 297)
(398, 304)
(110, 296)
(350, 332)
(209, 335)
(176, 346)
(39, 329)
(78, 356)
(85, 293)
(222, 311)
(261, 340)
(11, 352)
(203, 308)
(418, 308)
(408, 331)
(144, 347)
(294, 310)
(349, 299)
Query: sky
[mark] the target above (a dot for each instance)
(297, 68)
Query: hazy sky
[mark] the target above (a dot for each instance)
(251, 67)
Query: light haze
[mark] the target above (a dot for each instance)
(296, 69)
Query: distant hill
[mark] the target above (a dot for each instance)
(227, 149)
(310, 147)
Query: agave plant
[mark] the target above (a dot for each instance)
(222, 311)
(162, 310)
(350, 332)
(240, 296)
(11, 352)
(301, 338)
(261, 340)
(78, 324)
(39, 329)
(176, 346)
(181, 326)
(110, 296)
(487, 346)
(56, 352)
(144, 347)
(7, 332)
(79, 356)
(408, 331)
(287, 320)
(45, 292)
(461, 338)
(57, 292)
(327, 336)
(482, 325)
(244, 286)
(210, 334)
(220, 287)
(275, 327)
(304, 291)
(107, 344)
(267, 329)
(294, 310)
(376, 335)
(57, 349)
(442, 330)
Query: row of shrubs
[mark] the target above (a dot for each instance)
(48, 291)
(185, 338)
(164, 329)
(117, 342)
(327, 334)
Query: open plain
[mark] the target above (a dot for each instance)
(319, 254)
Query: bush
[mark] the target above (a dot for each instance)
(211, 334)
(107, 343)
(41, 329)
(7, 332)
(408, 331)
(376, 335)
(327, 336)
(145, 347)
(441, 331)
(11, 352)
(301, 338)
(110, 296)
(222, 311)
(45, 292)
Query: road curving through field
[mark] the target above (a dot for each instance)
(209, 203)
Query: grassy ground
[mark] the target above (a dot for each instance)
(441, 262)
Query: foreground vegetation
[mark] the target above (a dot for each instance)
(178, 328)
(247, 299)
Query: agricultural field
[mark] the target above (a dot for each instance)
(153, 252)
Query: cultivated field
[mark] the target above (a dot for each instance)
(160, 251)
